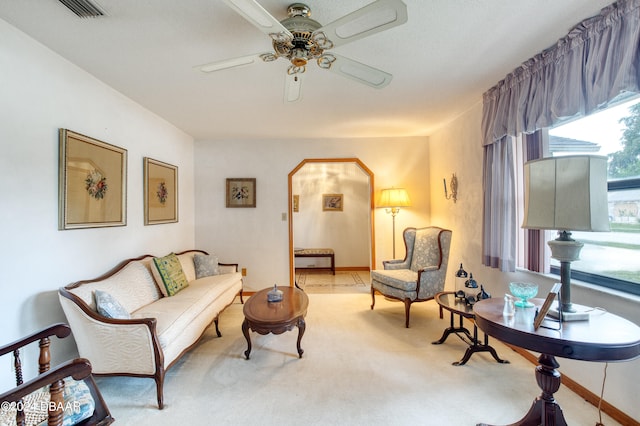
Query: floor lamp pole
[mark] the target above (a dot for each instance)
(394, 211)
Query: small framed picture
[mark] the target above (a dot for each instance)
(241, 192)
(332, 202)
(92, 182)
(296, 203)
(160, 192)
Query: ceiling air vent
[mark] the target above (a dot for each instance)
(83, 8)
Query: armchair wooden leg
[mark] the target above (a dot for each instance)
(373, 297)
(407, 307)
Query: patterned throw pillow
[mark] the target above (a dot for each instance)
(171, 276)
(206, 265)
(109, 307)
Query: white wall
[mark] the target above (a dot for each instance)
(39, 93)
(347, 232)
(457, 149)
(258, 239)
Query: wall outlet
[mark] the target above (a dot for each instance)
(244, 272)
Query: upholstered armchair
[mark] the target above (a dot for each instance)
(421, 274)
(63, 395)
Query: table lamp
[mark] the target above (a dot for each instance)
(567, 193)
(392, 199)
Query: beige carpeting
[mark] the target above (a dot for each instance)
(360, 367)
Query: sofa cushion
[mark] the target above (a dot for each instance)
(169, 275)
(108, 306)
(133, 286)
(206, 265)
(403, 279)
(174, 314)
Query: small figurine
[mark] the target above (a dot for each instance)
(274, 295)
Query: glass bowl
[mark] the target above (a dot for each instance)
(524, 291)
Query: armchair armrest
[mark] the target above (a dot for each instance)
(395, 264)
(59, 330)
(78, 368)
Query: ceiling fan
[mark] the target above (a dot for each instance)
(301, 39)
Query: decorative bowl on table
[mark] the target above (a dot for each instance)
(524, 291)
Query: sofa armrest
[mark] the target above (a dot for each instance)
(114, 346)
(227, 268)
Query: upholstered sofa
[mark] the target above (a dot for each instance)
(140, 317)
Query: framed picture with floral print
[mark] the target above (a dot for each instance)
(160, 192)
(241, 192)
(92, 182)
(331, 202)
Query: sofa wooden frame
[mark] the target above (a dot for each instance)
(150, 323)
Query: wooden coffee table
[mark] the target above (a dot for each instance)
(265, 317)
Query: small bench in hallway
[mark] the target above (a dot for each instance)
(317, 252)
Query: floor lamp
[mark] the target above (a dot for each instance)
(392, 199)
(566, 194)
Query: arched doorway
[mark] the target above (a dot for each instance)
(371, 210)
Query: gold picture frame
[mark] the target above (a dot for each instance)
(332, 202)
(92, 182)
(241, 192)
(160, 192)
(296, 203)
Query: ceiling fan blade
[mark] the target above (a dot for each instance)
(373, 18)
(263, 20)
(356, 71)
(229, 63)
(293, 87)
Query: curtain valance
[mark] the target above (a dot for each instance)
(595, 63)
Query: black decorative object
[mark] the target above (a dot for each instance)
(461, 277)
(483, 294)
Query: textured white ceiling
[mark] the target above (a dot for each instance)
(442, 60)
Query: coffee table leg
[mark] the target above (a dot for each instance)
(301, 327)
(245, 331)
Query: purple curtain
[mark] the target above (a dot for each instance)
(597, 62)
(499, 248)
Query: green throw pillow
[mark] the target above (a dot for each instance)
(171, 274)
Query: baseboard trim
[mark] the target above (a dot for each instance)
(584, 393)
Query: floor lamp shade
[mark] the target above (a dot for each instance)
(566, 193)
(392, 199)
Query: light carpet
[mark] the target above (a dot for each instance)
(360, 367)
(341, 282)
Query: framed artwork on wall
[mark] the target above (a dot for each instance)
(92, 179)
(332, 202)
(241, 192)
(160, 192)
(296, 203)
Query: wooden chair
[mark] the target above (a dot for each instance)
(421, 274)
(43, 398)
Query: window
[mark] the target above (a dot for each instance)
(610, 259)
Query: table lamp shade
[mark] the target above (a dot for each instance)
(566, 193)
(394, 197)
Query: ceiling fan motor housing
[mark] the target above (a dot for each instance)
(303, 47)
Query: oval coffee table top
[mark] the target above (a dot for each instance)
(294, 304)
(604, 337)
